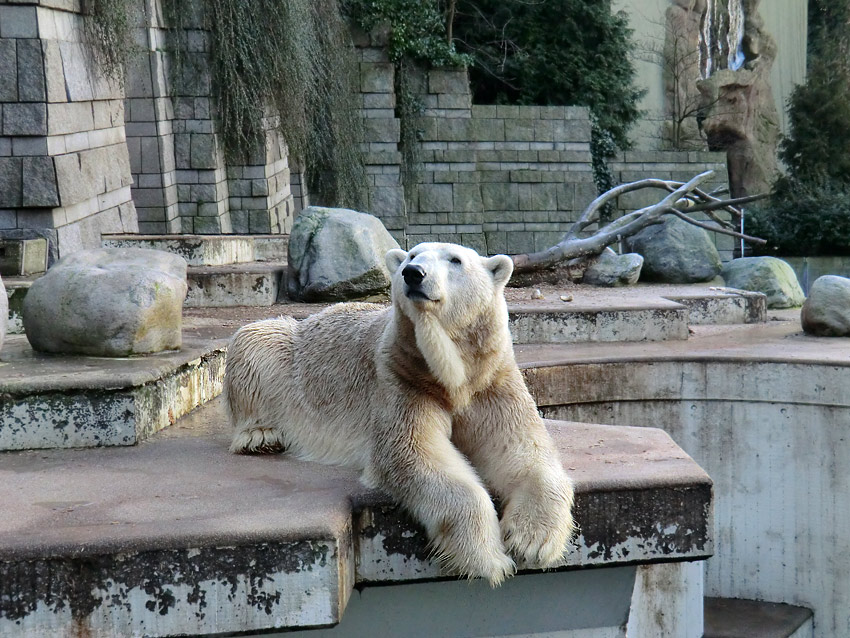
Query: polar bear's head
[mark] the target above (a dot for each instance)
(449, 282)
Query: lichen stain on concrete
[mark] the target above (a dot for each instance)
(81, 584)
(400, 534)
(669, 523)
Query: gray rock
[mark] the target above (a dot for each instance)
(336, 253)
(676, 252)
(767, 275)
(109, 302)
(826, 312)
(611, 269)
(4, 312)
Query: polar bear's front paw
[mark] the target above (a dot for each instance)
(474, 548)
(537, 528)
(490, 563)
(257, 441)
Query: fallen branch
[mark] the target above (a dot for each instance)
(682, 200)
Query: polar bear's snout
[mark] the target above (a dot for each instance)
(413, 275)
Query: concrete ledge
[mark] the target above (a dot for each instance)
(657, 320)
(86, 546)
(197, 250)
(60, 402)
(254, 284)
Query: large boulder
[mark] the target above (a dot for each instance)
(611, 269)
(4, 312)
(826, 312)
(109, 302)
(337, 254)
(768, 275)
(676, 252)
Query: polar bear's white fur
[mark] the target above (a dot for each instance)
(426, 398)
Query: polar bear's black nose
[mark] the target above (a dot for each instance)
(413, 274)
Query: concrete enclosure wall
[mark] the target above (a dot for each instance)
(773, 437)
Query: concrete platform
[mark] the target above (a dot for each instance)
(177, 537)
(49, 401)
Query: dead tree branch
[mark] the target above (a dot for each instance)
(682, 200)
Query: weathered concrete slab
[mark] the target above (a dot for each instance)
(722, 306)
(656, 320)
(48, 401)
(166, 527)
(754, 405)
(197, 250)
(254, 284)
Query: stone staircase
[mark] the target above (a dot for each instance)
(224, 270)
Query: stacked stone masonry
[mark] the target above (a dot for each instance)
(64, 166)
(183, 181)
(501, 179)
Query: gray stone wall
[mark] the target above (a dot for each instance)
(64, 164)
(183, 182)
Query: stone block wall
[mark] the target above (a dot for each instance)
(64, 164)
(183, 182)
(382, 134)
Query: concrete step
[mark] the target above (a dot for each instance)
(656, 320)
(734, 618)
(49, 401)
(251, 284)
(209, 250)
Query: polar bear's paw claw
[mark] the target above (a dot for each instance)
(257, 441)
(537, 535)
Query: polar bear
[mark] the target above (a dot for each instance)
(424, 397)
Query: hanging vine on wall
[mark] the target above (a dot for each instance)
(268, 59)
(107, 31)
(416, 41)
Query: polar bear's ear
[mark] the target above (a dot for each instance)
(394, 258)
(501, 267)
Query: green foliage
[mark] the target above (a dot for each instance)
(417, 30)
(809, 210)
(556, 52)
(552, 52)
(818, 144)
(108, 33)
(803, 219)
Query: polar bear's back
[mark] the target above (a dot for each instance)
(312, 380)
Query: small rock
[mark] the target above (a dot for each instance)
(337, 254)
(537, 294)
(611, 269)
(109, 302)
(676, 252)
(826, 312)
(566, 297)
(768, 275)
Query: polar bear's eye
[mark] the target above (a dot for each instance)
(456, 260)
